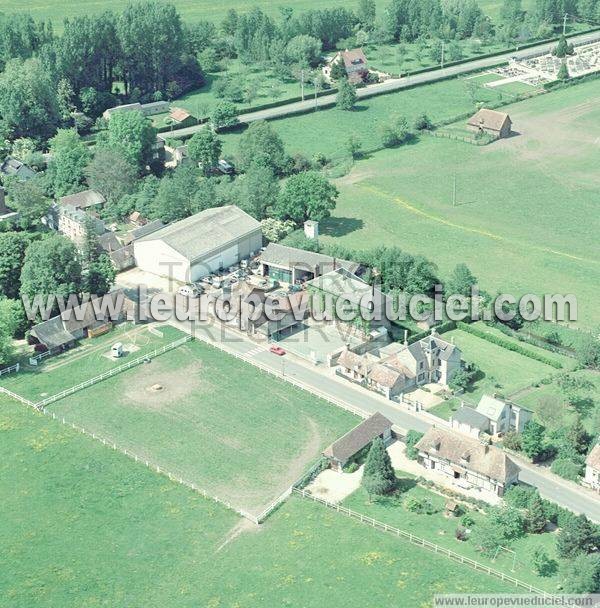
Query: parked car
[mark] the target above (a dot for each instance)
(189, 291)
(277, 350)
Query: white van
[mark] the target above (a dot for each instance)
(189, 291)
(116, 350)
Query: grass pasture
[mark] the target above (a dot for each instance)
(89, 359)
(86, 526)
(525, 219)
(439, 529)
(218, 422)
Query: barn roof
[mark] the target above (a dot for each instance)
(489, 119)
(83, 200)
(52, 333)
(468, 453)
(179, 114)
(206, 231)
(359, 437)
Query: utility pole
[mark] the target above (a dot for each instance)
(442, 55)
(316, 96)
(565, 24)
(302, 82)
(454, 192)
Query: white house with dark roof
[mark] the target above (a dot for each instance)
(199, 245)
(492, 416)
(467, 460)
(592, 469)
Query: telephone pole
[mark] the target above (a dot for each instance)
(442, 66)
(302, 82)
(565, 24)
(454, 192)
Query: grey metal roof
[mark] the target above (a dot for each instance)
(359, 437)
(291, 257)
(467, 415)
(52, 333)
(14, 167)
(202, 233)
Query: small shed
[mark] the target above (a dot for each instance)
(350, 444)
(497, 124)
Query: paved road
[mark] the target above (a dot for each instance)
(396, 84)
(560, 491)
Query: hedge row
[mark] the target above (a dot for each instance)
(508, 345)
(442, 328)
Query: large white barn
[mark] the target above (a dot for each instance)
(199, 245)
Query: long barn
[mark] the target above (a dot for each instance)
(199, 245)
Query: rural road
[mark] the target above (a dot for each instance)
(565, 493)
(394, 85)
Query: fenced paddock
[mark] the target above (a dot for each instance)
(212, 421)
(90, 359)
(421, 542)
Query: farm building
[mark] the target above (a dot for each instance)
(290, 265)
(199, 245)
(147, 109)
(497, 124)
(181, 118)
(12, 167)
(467, 460)
(342, 450)
(592, 469)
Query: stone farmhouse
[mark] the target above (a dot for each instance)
(592, 469)
(397, 368)
(497, 124)
(491, 416)
(467, 460)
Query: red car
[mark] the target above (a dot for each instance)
(277, 350)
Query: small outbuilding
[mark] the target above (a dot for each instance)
(497, 124)
(342, 450)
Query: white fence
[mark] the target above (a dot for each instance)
(9, 370)
(112, 372)
(421, 542)
(18, 397)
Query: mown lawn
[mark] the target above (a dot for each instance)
(217, 421)
(86, 526)
(501, 371)
(439, 529)
(89, 359)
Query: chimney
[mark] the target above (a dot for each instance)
(311, 229)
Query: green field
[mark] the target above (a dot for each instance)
(526, 215)
(190, 10)
(502, 371)
(217, 422)
(327, 131)
(91, 358)
(439, 529)
(85, 526)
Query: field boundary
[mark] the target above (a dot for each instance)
(421, 542)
